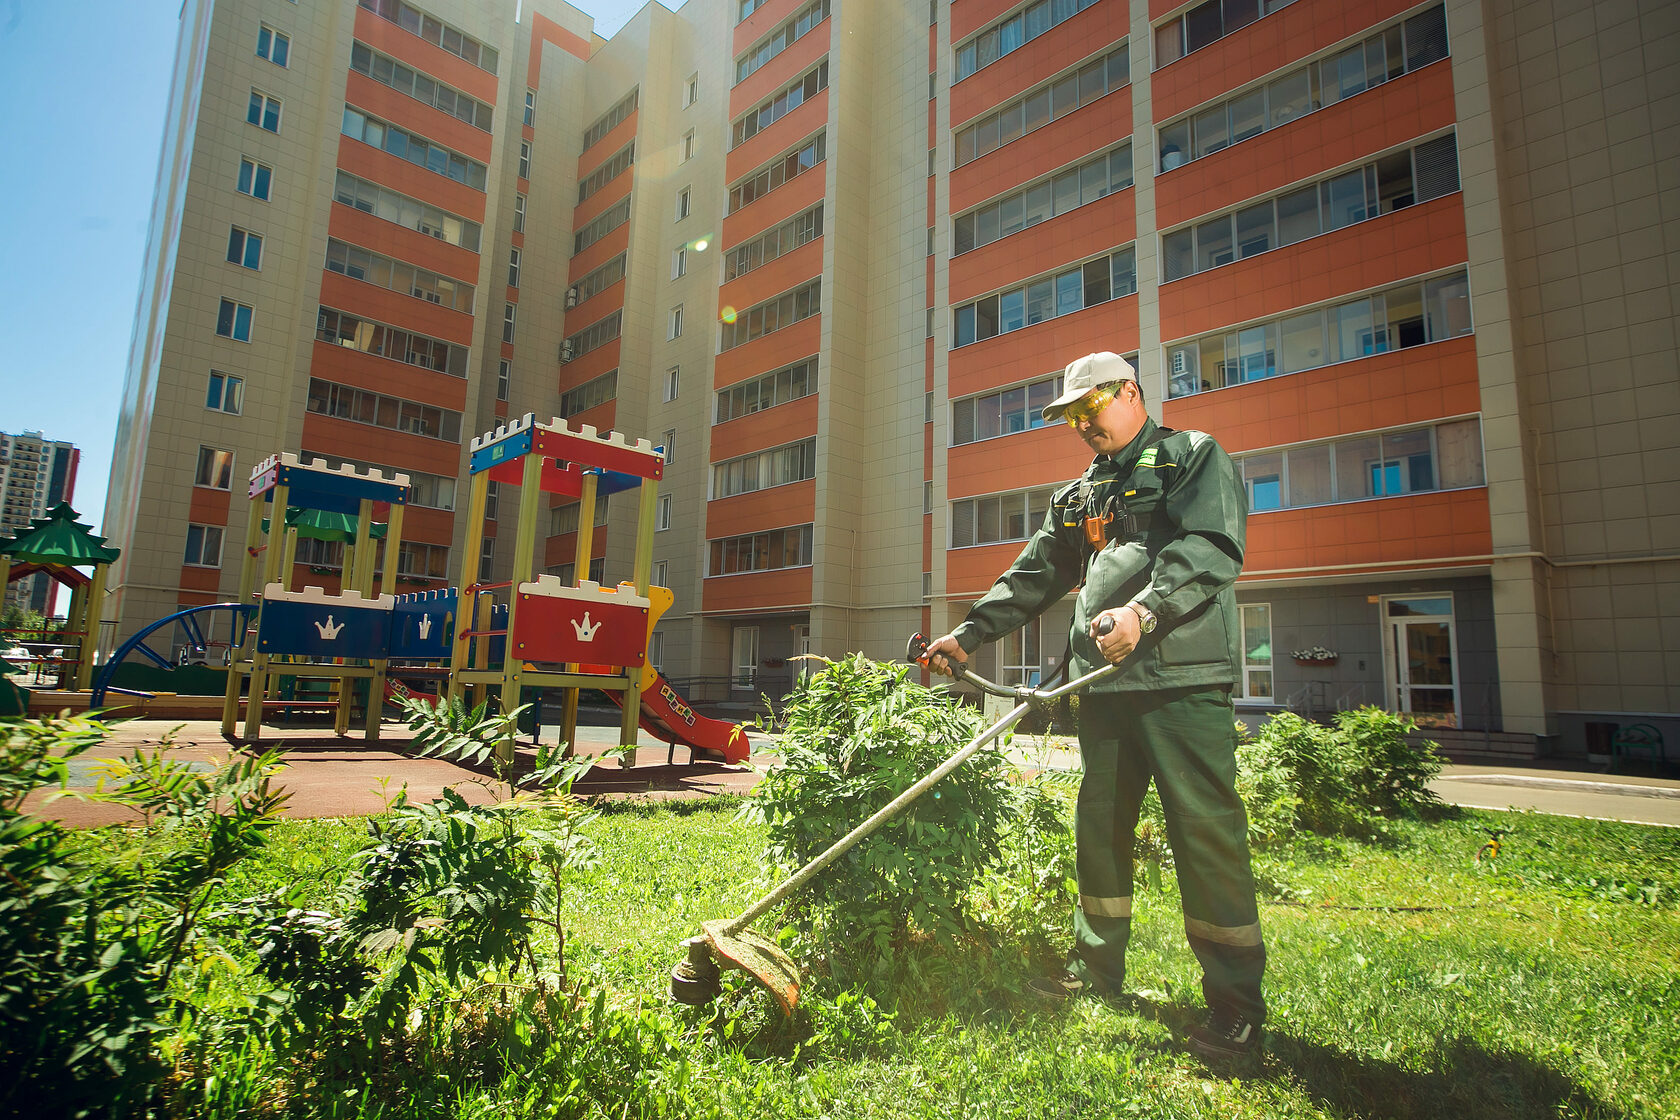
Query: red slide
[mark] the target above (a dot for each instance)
(667, 715)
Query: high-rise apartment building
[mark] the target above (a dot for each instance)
(36, 474)
(1407, 261)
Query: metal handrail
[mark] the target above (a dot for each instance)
(189, 621)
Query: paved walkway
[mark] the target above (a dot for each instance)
(331, 777)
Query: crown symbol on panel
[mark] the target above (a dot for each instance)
(328, 630)
(425, 626)
(585, 630)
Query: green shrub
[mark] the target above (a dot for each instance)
(855, 736)
(1390, 774)
(88, 946)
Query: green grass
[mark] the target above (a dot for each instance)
(1405, 982)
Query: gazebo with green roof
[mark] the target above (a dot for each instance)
(58, 545)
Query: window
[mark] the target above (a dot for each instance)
(1016, 409)
(780, 387)
(743, 650)
(486, 549)
(674, 329)
(592, 337)
(524, 159)
(616, 165)
(679, 262)
(510, 312)
(273, 45)
(415, 149)
(363, 406)
(264, 112)
(760, 552)
(761, 470)
(1396, 318)
(204, 546)
(388, 71)
(504, 378)
(1052, 100)
(672, 377)
(783, 311)
(518, 213)
(434, 31)
(1096, 178)
(254, 178)
(603, 224)
(353, 332)
(492, 500)
(610, 120)
(1397, 50)
(662, 519)
(1208, 23)
(1445, 456)
(777, 107)
(1013, 33)
(779, 40)
(418, 283)
(656, 646)
(661, 575)
(691, 92)
(1400, 179)
(670, 445)
(513, 268)
(763, 182)
(244, 248)
(215, 468)
(998, 517)
(423, 561)
(234, 321)
(1257, 651)
(1047, 297)
(530, 106)
(1018, 654)
(601, 279)
(382, 202)
(596, 391)
(688, 146)
(684, 203)
(226, 393)
(785, 238)
(564, 519)
(747, 8)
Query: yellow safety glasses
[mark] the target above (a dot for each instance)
(1087, 407)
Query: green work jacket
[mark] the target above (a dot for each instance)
(1175, 545)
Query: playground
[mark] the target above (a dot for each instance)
(341, 653)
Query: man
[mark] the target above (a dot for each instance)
(1154, 533)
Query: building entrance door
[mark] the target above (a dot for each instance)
(1422, 653)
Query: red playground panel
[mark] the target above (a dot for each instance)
(587, 623)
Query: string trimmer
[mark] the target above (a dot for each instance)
(727, 943)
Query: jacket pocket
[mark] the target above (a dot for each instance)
(1199, 639)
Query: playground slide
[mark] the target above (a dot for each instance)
(665, 714)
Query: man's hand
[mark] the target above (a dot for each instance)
(943, 652)
(1119, 642)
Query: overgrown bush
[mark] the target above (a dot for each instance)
(1347, 776)
(89, 947)
(855, 736)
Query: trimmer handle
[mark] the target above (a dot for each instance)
(916, 650)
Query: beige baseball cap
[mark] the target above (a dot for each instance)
(1093, 371)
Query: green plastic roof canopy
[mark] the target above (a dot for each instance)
(325, 525)
(58, 538)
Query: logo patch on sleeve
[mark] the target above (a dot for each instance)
(1147, 459)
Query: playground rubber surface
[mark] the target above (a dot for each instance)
(332, 776)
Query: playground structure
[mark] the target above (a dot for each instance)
(58, 545)
(479, 639)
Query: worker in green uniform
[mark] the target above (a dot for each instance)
(1152, 534)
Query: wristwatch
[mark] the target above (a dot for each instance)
(1146, 617)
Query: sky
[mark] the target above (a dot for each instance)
(87, 84)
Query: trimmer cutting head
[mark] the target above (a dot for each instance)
(696, 980)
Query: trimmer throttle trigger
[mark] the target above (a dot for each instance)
(917, 650)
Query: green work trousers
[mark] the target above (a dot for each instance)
(1183, 739)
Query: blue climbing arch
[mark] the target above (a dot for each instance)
(191, 620)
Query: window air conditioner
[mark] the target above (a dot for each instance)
(566, 350)
(1179, 362)
(571, 297)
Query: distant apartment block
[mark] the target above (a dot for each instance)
(1412, 263)
(36, 474)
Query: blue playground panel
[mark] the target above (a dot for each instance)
(434, 613)
(323, 629)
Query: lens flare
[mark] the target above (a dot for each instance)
(700, 245)
(728, 314)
